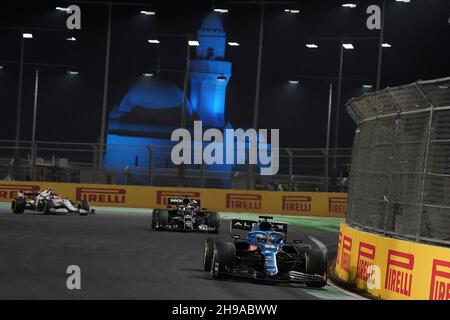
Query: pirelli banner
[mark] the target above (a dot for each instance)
(291, 203)
(391, 268)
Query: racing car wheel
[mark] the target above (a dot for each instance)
(18, 205)
(83, 204)
(160, 218)
(49, 207)
(208, 254)
(223, 259)
(317, 264)
(213, 220)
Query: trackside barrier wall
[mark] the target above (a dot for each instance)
(290, 203)
(393, 269)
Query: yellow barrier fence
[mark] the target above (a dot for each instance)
(393, 269)
(277, 202)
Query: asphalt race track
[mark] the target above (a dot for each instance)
(121, 258)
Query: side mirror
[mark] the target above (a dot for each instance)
(298, 241)
(235, 236)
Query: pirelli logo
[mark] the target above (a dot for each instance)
(296, 203)
(337, 204)
(440, 280)
(163, 196)
(101, 195)
(366, 259)
(346, 250)
(10, 191)
(399, 277)
(243, 201)
(339, 249)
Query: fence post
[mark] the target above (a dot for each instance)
(367, 173)
(150, 165)
(291, 169)
(33, 161)
(390, 176)
(202, 174)
(425, 161)
(126, 173)
(95, 161)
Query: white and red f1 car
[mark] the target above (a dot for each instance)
(48, 202)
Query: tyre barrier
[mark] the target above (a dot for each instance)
(392, 269)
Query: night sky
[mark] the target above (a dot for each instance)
(70, 106)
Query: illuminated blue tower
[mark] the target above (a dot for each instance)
(151, 110)
(209, 73)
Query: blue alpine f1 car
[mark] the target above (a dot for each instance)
(264, 254)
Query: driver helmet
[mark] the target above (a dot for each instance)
(192, 204)
(265, 226)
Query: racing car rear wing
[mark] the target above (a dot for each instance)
(240, 224)
(179, 201)
(28, 193)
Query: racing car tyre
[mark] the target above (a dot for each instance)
(154, 213)
(48, 206)
(18, 205)
(213, 220)
(161, 219)
(223, 259)
(317, 264)
(208, 254)
(83, 204)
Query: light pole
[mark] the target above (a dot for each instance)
(105, 88)
(19, 93)
(190, 42)
(35, 104)
(338, 105)
(109, 4)
(33, 132)
(327, 144)
(330, 103)
(35, 108)
(344, 44)
(262, 4)
(23, 36)
(258, 68)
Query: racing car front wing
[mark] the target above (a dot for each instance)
(293, 277)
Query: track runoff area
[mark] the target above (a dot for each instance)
(120, 257)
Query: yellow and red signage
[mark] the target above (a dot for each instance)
(274, 202)
(407, 270)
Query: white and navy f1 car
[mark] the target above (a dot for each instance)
(265, 255)
(48, 202)
(183, 214)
